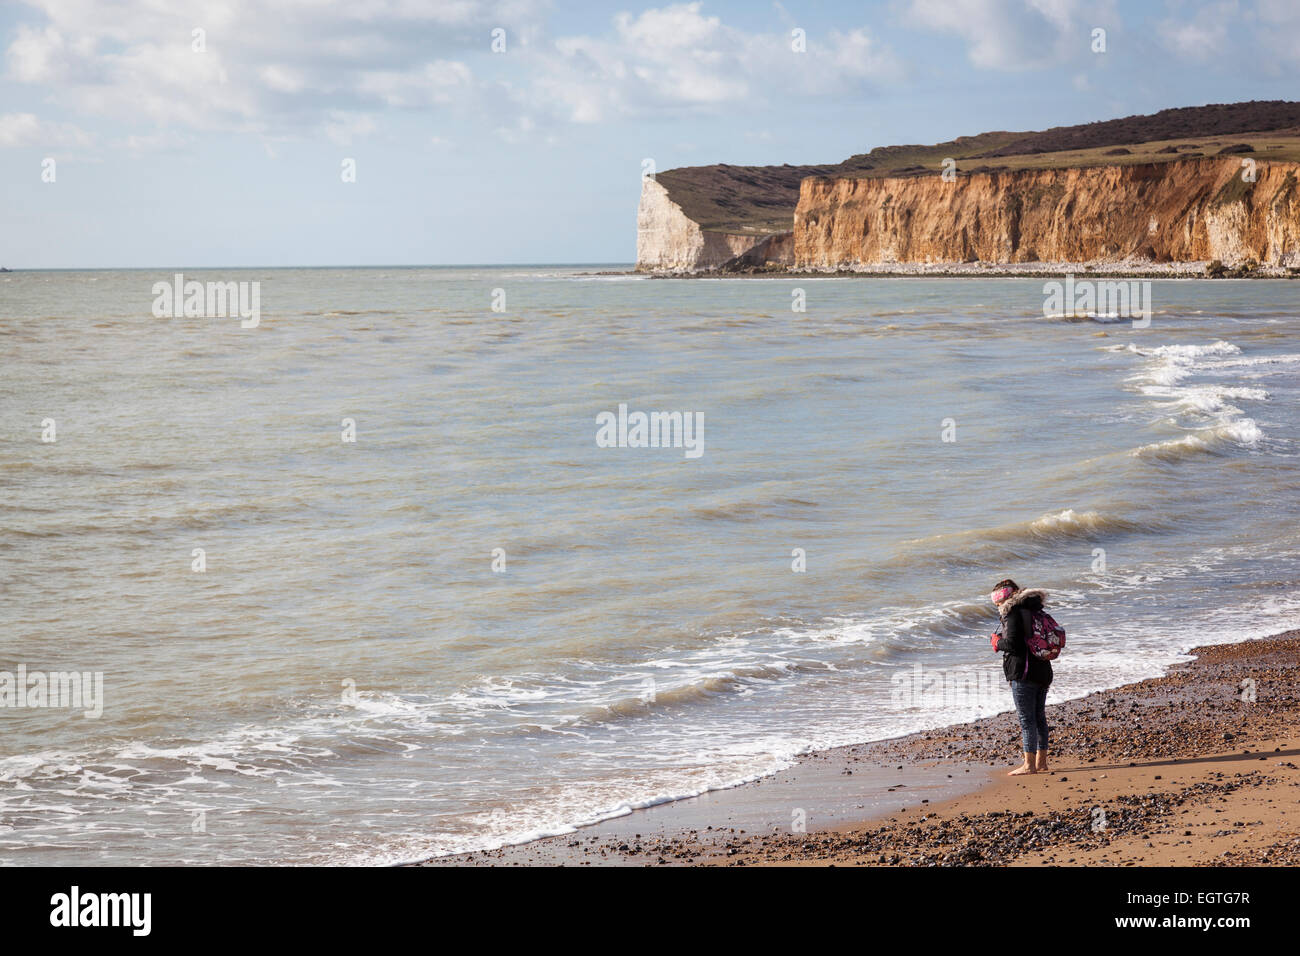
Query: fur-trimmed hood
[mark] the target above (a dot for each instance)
(1019, 598)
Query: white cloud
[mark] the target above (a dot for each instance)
(307, 67)
(439, 82)
(266, 68)
(283, 79)
(678, 57)
(19, 129)
(27, 129)
(1204, 35)
(37, 56)
(1016, 34)
(856, 54)
(343, 128)
(662, 31)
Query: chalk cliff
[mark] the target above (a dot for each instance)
(1185, 210)
(667, 240)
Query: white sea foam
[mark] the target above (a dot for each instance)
(1166, 377)
(1207, 399)
(1256, 364)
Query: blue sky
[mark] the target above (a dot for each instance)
(169, 156)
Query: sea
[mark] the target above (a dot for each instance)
(430, 560)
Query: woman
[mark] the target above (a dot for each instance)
(1029, 676)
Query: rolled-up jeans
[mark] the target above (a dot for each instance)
(1031, 708)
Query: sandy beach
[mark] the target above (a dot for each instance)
(1200, 767)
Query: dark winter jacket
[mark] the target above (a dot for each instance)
(1012, 636)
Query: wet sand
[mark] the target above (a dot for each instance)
(1183, 769)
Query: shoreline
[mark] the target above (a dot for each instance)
(1171, 770)
(1028, 270)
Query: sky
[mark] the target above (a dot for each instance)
(152, 133)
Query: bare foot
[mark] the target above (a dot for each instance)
(1041, 767)
(1022, 769)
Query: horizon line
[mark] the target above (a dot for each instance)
(423, 265)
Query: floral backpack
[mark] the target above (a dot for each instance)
(1046, 638)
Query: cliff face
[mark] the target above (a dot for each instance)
(1186, 210)
(667, 240)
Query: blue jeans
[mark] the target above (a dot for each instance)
(1031, 708)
